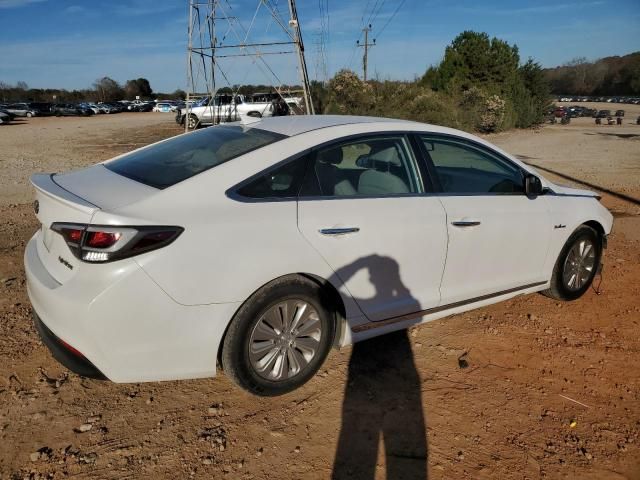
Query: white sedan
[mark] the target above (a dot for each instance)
(259, 247)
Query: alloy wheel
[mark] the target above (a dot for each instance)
(285, 339)
(579, 264)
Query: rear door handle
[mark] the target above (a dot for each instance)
(339, 231)
(465, 223)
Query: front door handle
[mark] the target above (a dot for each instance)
(339, 231)
(466, 223)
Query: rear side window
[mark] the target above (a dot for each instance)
(375, 166)
(185, 156)
(281, 182)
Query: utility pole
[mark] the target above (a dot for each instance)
(366, 46)
(295, 25)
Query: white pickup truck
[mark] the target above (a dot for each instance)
(223, 109)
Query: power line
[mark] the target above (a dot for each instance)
(391, 18)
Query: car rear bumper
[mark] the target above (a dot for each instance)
(123, 324)
(69, 357)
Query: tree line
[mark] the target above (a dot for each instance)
(609, 76)
(104, 89)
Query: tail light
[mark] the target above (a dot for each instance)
(103, 243)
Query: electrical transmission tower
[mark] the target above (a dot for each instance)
(366, 45)
(218, 40)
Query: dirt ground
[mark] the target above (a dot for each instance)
(524, 389)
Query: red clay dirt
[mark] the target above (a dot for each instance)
(525, 389)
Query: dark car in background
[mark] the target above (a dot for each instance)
(42, 109)
(4, 117)
(603, 114)
(68, 109)
(619, 113)
(11, 116)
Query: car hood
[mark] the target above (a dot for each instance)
(565, 190)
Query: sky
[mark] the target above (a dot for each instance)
(71, 43)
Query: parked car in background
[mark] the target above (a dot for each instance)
(68, 109)
(146, 107)
(603, 114)
(4, 117)
(90, 106)
(224, 108)
(104, 108)
(162, 107)
(42, 109)
(20, 110)
(11, 116)
(619, 113)
(353, 227)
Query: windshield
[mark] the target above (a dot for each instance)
(185, 156)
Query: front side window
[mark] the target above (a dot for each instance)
(185, 156)
(465, 169)
(375, 166)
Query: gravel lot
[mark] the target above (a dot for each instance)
(525, 389)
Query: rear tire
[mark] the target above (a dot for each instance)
(576, 266)
(280, 337)
(193, 122)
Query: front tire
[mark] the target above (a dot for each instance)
(576, 266)
(280, 337)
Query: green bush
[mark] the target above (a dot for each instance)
(479, 85)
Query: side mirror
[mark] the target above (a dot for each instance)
(532, 186)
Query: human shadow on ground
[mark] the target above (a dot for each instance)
(382, 399)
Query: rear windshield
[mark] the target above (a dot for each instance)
(185, 156)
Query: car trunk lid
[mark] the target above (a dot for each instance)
(74, 198)
(55, 204)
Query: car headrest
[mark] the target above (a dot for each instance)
(331, 155)
(387, 155)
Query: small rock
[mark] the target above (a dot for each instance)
(94, 418)
(207, 461)
(89, 458)
(462, 361)
(35, 456)
(85, 427)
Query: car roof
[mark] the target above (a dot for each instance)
(291, 125)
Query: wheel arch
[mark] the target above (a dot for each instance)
(597, 226)
(333, 298)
